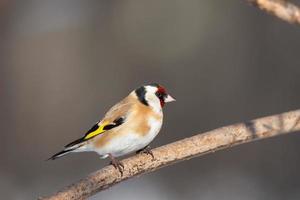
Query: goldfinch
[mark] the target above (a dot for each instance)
(129, 126)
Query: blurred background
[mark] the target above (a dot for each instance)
(63, 63)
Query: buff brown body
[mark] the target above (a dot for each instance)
(128, 126)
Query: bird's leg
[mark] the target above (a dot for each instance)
(146, 150)
(117, 164)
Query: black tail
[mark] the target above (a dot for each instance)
(68, 149)
(60, 154)
(70, 145)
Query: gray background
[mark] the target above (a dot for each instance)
(64, 63)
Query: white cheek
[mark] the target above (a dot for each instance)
(154, 102)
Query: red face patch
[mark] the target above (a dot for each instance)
(161, 94)
(161, 90)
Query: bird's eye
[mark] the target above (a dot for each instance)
(159, 95)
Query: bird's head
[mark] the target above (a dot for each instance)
(153, 95)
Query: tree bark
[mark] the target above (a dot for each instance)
(280, 8)
(185, 149)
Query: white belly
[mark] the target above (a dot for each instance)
(131, 142)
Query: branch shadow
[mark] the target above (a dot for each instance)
(279, 126)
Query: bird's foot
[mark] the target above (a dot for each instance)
(146, 150)
(117, 164)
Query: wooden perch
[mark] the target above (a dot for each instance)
(280, 8)
(181, 150)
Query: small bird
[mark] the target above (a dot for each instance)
(129, 126)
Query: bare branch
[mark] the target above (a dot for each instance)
(280, 8)
(185, 149)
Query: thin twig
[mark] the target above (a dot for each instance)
(282, 9)
(181, 150)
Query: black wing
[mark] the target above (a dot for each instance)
(96, 130)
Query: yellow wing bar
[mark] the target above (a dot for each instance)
(96, 131)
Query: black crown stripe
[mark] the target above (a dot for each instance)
(140, 93)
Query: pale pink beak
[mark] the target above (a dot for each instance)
(169, 99)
